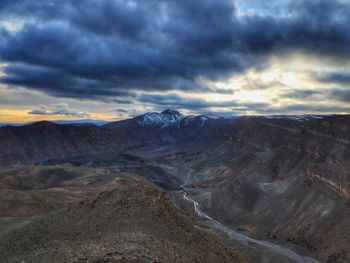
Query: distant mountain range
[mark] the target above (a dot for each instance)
(170, 117)
(78, 141)
(74, 122)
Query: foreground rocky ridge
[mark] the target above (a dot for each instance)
(135, 222)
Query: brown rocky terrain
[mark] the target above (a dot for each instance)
(45, 142)
(277, 180)
(281, 179)
(135, 222)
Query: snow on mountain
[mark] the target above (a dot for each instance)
(173, 118)
(164, 119)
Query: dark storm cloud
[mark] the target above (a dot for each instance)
(334, 77)
(58, 109)
(122, 101)
(59, 83)
(176, 101)
(307, 107)
(99, 49)
(302, 108)
(316, 26)
(301, 93)
(340, 94)
(121, 111)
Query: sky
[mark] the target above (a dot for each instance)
(114, 59)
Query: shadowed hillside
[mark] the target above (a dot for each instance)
(135, 222)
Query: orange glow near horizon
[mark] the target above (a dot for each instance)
(22, 116)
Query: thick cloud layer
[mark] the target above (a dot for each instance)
(110, 49)
(176, 101)
(59, 109)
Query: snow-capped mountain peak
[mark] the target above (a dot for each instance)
(164, 119)
(171, 116)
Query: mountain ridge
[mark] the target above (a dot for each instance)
(170, 116)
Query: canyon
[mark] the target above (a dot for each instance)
(115, 192)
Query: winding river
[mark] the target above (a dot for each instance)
(234, 235)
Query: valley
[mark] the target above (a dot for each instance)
(269, 189)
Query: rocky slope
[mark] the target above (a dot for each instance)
(277, 179)
(135, 222)
(46, 142)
